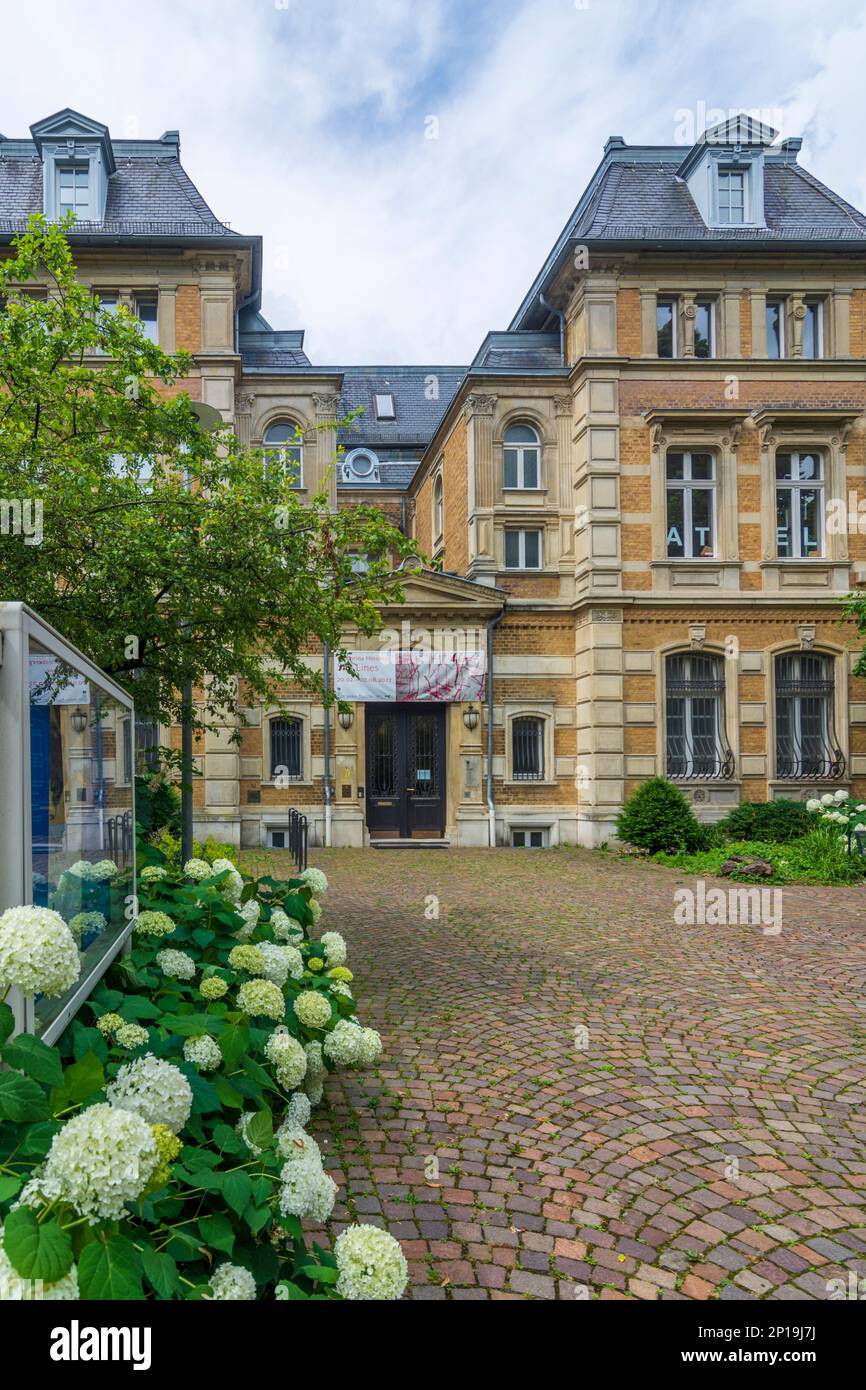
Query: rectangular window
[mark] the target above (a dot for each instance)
(286, 750)
(73, 189)
(146, 312)
(523, 550)
(732, 197)
(691, 506)
(278, 839)
(813, 329)
(527, 749)
(528, 839)
(385, 407)
(666, 327)
(705, 328)
(775, 328)
(799, 506)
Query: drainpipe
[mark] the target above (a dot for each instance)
(491, 809)
(327, 748)
(545, 304)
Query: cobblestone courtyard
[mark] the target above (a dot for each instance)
(706, 1141)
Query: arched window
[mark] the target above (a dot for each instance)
(527, 749)
(697, 743)
(287, 757)
(283, 449)
(438, 508)
(806, 742)
(521, 457)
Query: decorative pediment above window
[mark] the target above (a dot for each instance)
(77, 161)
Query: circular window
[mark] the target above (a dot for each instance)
(361, 463)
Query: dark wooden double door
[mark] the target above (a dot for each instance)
(405, 771)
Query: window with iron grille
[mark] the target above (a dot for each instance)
(286, 748)
(527, 749)
(697, 744)
(806, 741)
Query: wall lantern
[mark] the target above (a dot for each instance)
(470, 718)
(346, 718)
(79, 721)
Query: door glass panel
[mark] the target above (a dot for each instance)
(382, 772)
(423, 771)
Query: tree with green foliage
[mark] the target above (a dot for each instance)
(167, 554)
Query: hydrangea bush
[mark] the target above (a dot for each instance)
(160, 1150)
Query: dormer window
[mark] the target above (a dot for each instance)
(385, 407)
(731, 196)
(73, 190)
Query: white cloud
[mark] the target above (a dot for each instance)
(307, 124)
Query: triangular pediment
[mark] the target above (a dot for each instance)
(431, 590)
(68, 125)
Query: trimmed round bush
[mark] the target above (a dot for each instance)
(658, 817)
(776, 821)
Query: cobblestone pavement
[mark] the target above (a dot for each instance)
(703, 1138)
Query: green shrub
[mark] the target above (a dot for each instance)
(157, 803)
(774, 821)
(658, 817)
(819, 857)
(167, 841)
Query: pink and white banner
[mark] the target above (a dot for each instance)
(410, 676)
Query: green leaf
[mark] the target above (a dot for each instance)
(287, 1292)
(160, 1272)
(31, 1055)
(110, 1270)
(227, 1093)
(257, 1073)
(234, 1043)
(217, 1231)
(36, 1251)
(37, 1139)
(228, 1140)
(9, 1186)
(236, 1190)
(7, 1022)
(79, 1081)
(322, 1274)
(86, 1040)
(191, 1025)
(260, 1129)
(256, 1217)
(21, 1100)
(204, 1097)
(202, 937)
(134, 1006)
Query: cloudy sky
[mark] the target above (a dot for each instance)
(410, 162)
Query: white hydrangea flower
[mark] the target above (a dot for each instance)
(316, 1068)
(840, 795)
(315, 909)
(233, 886)
(203, 1052)
(15, 1289)
(315, 881)
(38, 953)
(99, 1161)
(288, 1058)
(315, 1091)
(312, 1008)
(813, 804)
(232, 1283)
(371, 1264)
(87, 922)
(305, 1188)
(295, 1145)
(93, 873)
(176, 964)
(340, 987)
(154, 924)
(197, 869)
(251, 911)
(153, 873)
(242, 1127)
(156, 1090)
(298, 1110)
(262, 997)
(343, 1044)
(827, 799)
(371, 1047)
(277, 962)
(286, 928)
(335, 948)
(131, 1035)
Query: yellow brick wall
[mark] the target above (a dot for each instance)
(188, 318)
(628, 323)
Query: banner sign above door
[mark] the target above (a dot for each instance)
(408, 676)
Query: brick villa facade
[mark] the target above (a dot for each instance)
(643, 496)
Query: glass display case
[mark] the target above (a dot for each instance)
(67, 827)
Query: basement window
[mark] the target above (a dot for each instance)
(529, 839)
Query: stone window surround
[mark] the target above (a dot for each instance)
(684, 322)
(727, 293)
(522, 415)
(277, 413)
(721, 439)
(777, 786)
(794, 302)
(828, 438)
(696, 645)
(437, 508)
(534, 709)
(527, 520)
(290, 709)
